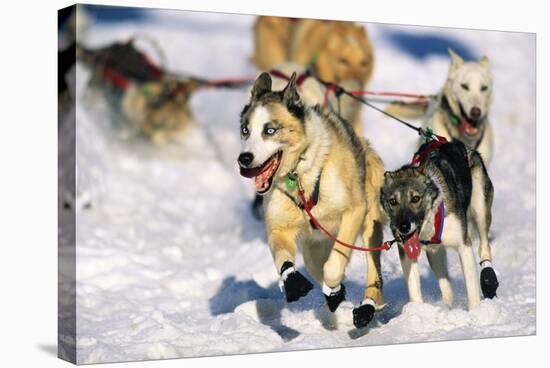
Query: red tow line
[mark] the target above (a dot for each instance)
(308, 206)
(438, 222)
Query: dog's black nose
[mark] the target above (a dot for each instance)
(475, 112)
(245, 159)
(405, 227)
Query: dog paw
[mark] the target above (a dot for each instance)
(294, 283)
(334, 296)
(489, 282)
(363, 314)
(257, 208)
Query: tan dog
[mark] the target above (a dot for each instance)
(341, 50)
(283, 139)
(271, 41)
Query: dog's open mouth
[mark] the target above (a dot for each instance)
(264, 173)
(407, 237)
(467, 126)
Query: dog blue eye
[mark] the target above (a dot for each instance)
(465, 86)
(270, 131)
(244, 130)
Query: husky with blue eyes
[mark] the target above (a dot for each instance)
(289, 148)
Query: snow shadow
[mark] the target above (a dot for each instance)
(270, 302)
(424, 45)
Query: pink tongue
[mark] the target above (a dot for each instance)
(260, 182)
(412, 246)
(467, 128)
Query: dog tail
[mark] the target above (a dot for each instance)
(407, 110)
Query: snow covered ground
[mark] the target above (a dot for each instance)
(170, 262)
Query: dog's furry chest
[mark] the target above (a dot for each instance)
(282, 210)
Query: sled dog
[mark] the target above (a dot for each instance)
(287, 146)
(153, 106)
(311, 93)
(430, 204)
(462, 108)
(340, 51)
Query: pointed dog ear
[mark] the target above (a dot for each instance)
(484, 61)
(456, 60)
(262, 85)
(290, 94)
(389, 176)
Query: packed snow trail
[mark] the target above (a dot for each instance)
(170, 262)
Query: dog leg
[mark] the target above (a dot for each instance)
(334, 267)
(467, 261)
(374, 298)
(283, 248)
(412, 277)
(315, 254)
(480, 210)
(438, 262)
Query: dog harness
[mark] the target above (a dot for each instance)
(300, 79)
(122, 63)
(412, 245)
(439, 222)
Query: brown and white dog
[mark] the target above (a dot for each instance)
(284, 140)
(341, 51)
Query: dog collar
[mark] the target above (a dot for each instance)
(454, 118)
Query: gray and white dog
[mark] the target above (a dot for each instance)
(453, 181)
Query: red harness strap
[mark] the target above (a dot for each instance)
(307, 205)
(438, 226)
(439, 220)
(116, 78)
(299, 79)
(419, 157)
